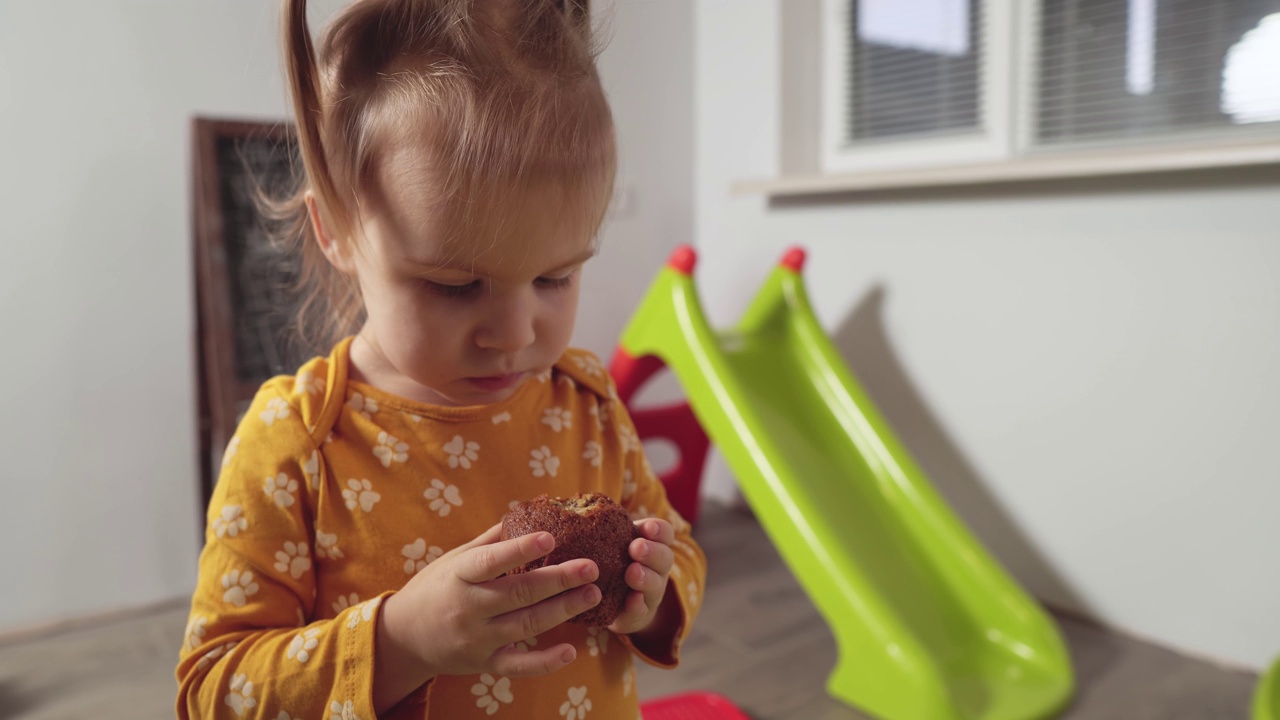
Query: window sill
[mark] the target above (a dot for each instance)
(1028, 168)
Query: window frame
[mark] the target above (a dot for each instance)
(1009, 99)
(992, 141)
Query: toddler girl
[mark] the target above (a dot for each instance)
(459, 156)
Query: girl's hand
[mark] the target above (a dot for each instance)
(647, 576)
(460, 616)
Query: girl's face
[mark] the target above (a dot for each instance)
(464, 322)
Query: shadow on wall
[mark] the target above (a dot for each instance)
(14, 701)
(863, 342)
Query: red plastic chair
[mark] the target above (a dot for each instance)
(692, 706)
(675, 423)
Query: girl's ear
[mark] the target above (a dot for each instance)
(338, 254)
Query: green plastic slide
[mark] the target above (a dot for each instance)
(927, 625)
(1266, 700)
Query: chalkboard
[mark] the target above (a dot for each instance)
(247, 300)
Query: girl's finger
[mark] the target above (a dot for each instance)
(484, 562)
(637, 606)
(657, 530)
(524, 589)
(632, 617)
(510, 662)
(653, 554)
(645, 580)
(536, 619)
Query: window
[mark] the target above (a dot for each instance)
(928, 83)
(914, 68)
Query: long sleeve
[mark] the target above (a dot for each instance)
(643, 496)
(249, 650)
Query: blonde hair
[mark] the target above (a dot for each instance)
(503, 94)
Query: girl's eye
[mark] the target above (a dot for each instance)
(452, 291)
(555, 283)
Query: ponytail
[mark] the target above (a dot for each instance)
(300, 66)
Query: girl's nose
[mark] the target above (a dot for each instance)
(508, 329)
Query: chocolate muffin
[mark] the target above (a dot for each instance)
(590, 526)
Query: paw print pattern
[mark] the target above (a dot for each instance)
(557, 418)
(524, 645)
(461, 453)
(691, 590)
(210, 657)
(443, 497)
(230, 452)
(599, 417)
(277, 409)
(345, 601)
(630, 441)
(628, 485)
(597, 641)
(590, 365)
(307, 383)
(628, 681)
(311, 469)
(418, 556)
(342, 711)
(578, 704)
(303, 645)
(640, 513)
(195, 631)
(281, 489)
(593, 454)
(681, 547)
(359, 493)
(365, 613)
(413, 417)
(230, 522)
(327, 546)
(293, 559)
(501, 418)
(241, 696)
(491, 693)
(544, 463)
(390, 450)
(366, 406)
(286, 716)
(238, 586)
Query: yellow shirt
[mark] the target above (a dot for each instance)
(333, 494)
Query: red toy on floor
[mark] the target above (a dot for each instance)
(692, 706)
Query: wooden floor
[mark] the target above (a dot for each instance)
(758, 641)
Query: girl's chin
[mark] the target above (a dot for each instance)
(495, 384)
(470, 391)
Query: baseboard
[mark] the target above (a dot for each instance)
(14, 636)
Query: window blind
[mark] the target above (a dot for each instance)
(1139, 69)
(914, 69)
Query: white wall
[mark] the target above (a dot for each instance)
(647, 71)
(1088, 371)
(100, 508)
